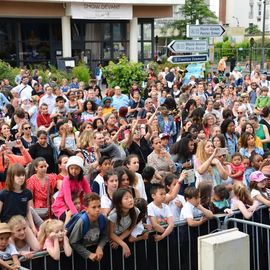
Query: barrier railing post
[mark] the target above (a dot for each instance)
(135, 262)
(189, 249)
(178, 248)
(157, 255)
(168, 252)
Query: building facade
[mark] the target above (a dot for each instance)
(41, 31)
(244, 12)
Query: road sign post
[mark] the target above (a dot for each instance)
(183, 46)
(204, 30)
(185, 59)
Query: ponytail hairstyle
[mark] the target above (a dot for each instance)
(46, 228)
(241, 192)
(141, 204)
(168, 180)
(32, 166)
(205, 190)
(117, 204)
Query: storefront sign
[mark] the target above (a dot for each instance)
(99, 11)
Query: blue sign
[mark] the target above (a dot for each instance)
(182, 59)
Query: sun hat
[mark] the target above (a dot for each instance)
(4, 228)
(75, 160)
(257, 176)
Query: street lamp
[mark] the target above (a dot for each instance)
(236, 20)
(263, 34)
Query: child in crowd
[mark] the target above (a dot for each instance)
(139, 233)
(258, 188)
(147, 175)
(44, 118)
(18, 227)
(237, 167)
(193, 209)
(220, 200)
(255, 163)
(62, 163)
(52, 237)
(122, 219)
(98, 183)
(262, 101)
(159, 213)
(75, 182)
(111, 185)
(132, 163)
(8, 253)
(173, 199)
(60, 110)
(77, 203)
(96, 233)
(17, 194)
(205, 190)
(242, 201)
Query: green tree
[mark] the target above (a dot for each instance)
(124, 74)
(191, 11)
(253, 29)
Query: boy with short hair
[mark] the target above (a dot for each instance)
(97, 231)
(8, 252)
(60, 110)
(159, 213)
(98, 183)
(262, 101)
(193, 209)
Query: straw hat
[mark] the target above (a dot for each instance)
(4, 228)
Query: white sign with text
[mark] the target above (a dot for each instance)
(99, 11)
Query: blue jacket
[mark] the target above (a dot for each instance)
(161, 124)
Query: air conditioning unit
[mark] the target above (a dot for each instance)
(227, 249)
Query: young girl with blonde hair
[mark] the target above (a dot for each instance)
(52, 237)
(18, 226)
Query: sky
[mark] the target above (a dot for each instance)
(214, 6)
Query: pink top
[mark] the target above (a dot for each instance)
(49, 243)
(63, 201)
(236, 169)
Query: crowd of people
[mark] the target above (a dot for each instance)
(80, 167)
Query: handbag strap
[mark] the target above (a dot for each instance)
(48, 195)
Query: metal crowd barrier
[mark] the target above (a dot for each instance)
(177, 251)
(258, 229)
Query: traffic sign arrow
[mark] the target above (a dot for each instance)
(178, 46)
(203, 30)
(182, 59)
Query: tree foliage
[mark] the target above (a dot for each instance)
(253, 29)
(124, 74)
(191, 11)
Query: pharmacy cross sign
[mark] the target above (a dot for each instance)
(183, 46)
(204, 30)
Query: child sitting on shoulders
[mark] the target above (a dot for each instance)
(220, 203)
(193, 209)
(237, 167)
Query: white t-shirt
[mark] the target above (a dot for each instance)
(99, 179)
(161, 214)
(124, 223)
(8, 252)
(138, 230)
(190, 211)
(176, 211)
(106, 202)
(255, 192)
(140, 186)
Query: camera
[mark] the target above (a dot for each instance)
(128, 127)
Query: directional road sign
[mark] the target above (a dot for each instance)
(182, 59)
(178, 46)
(203, 30)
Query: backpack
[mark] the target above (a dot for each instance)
(86, 223)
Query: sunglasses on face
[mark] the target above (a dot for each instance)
(26, 128)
